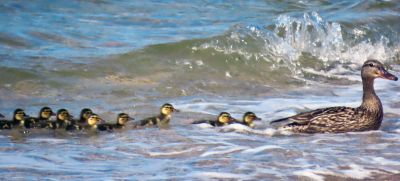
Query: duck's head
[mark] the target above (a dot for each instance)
(85, 113)
(249, 117)
(19, 115)
(63, 115)
(46, 113)
(93, 120)
(225, 118)
(2, 116)
(123, 118)
(168, 109)
(374, 69)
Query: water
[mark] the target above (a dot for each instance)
(274, 58)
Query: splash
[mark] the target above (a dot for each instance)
(299, 42)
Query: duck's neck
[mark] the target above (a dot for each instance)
(370, 99)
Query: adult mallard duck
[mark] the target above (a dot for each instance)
(223, 119)
(368, 116)
(248, 119)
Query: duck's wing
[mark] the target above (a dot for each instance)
(318, 114)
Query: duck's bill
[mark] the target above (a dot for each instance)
(131, 119)
(176, 110)
(386, 75)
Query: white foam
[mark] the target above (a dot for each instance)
(224, 151)
(204, 126)
(220, 175)
(310, 174)
(173, 153)
(261, 148)
(357, 172)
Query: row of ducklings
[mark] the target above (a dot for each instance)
(88, 120)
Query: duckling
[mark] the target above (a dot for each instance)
(368, 116)
(42, 121)
(223, 119)
(20, 119)
(122, 119)
(5, 124)
(248, 119)
(92, 123)
(162, 119)
(85, 114)
(64, 121)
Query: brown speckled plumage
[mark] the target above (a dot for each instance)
(368, 116)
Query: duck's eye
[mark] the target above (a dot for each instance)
(371, 64)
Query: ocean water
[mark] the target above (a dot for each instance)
(275, 58)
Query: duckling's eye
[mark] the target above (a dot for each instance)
(371, 64)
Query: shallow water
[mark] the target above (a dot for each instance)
(274, 58)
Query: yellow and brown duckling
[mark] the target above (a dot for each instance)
(21, 120)
(122, 119)
(5, 124)
(162, 119)
(43, 120)
(64, 121)
(248, 119)
(368, 116)
(92, 123)
(84, 115)
(223, 119)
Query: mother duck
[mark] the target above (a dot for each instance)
(368, 116)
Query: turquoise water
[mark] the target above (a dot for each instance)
(275, 58)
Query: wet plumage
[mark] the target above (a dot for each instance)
(368, 116)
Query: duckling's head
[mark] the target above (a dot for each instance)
(19, 115)
(168, 109)
(225, 118)
(2, 116)
(63, 115)
(123, 118)
(93, 120)
(374, 69)
(46, 113)
(249, 117)
(85, 113)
